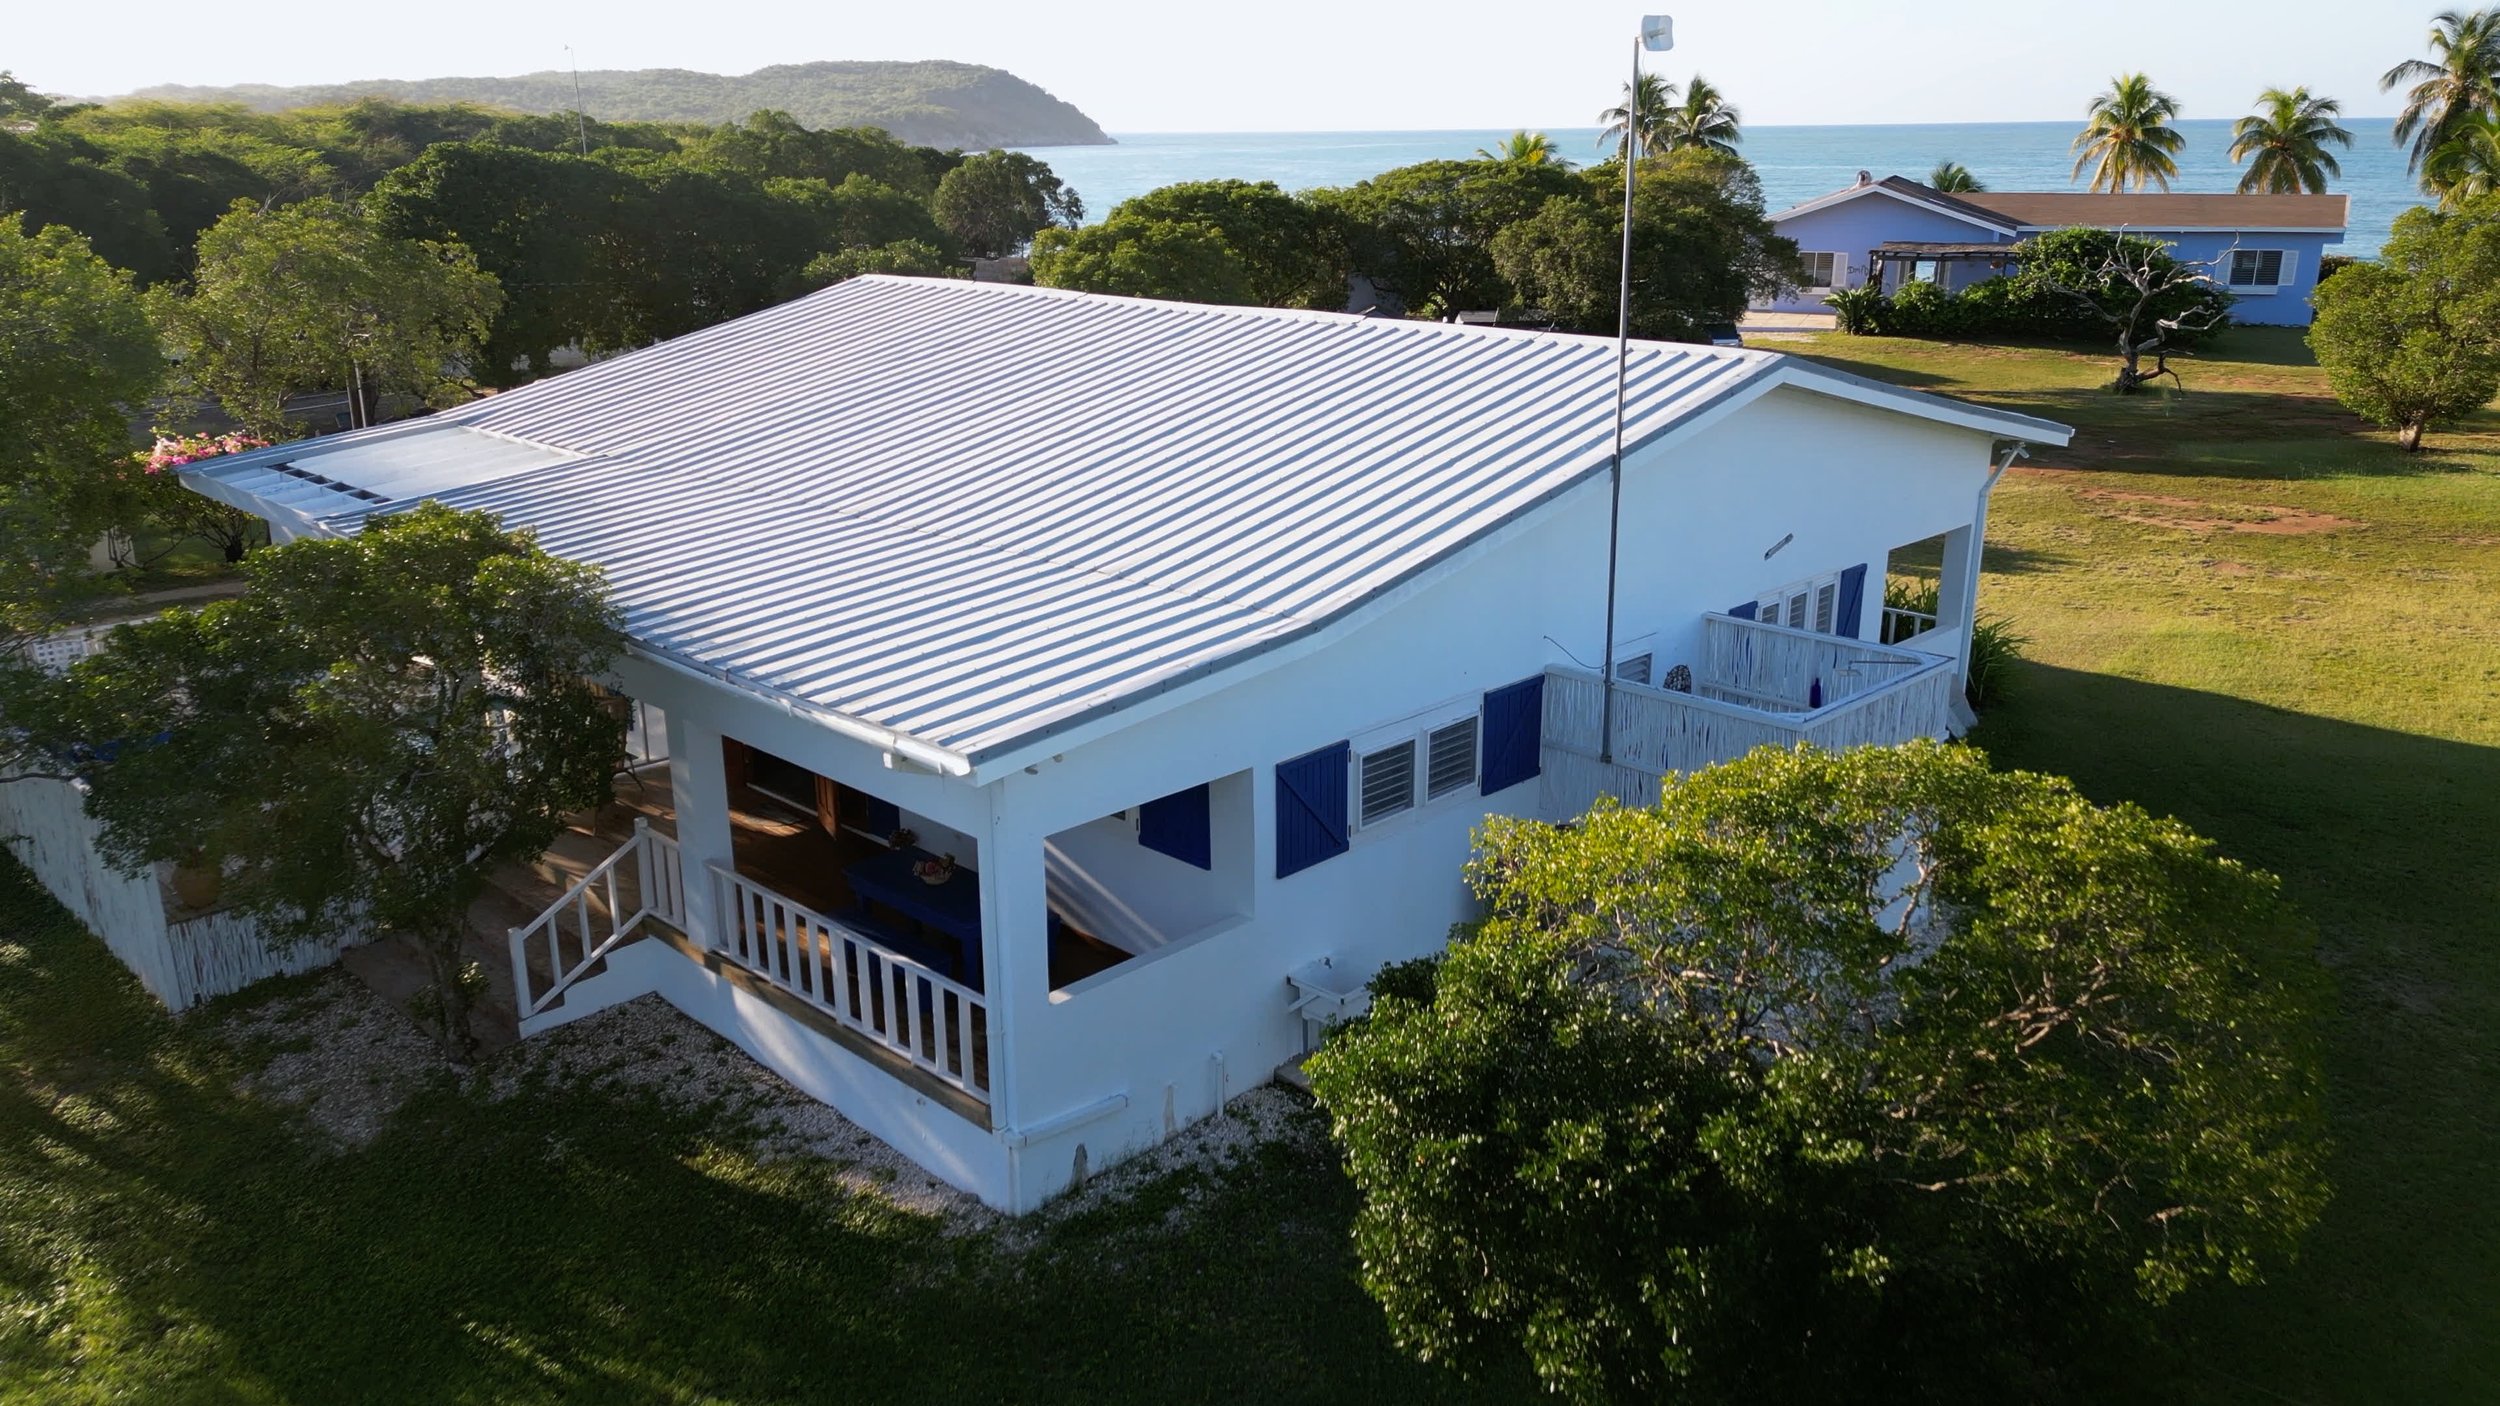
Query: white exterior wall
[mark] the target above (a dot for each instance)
(1117, 1062)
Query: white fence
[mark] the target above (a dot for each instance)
(940, 1026)
(181, 962)
(601, 911)
(1752, 686)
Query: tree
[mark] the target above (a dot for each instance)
(77, 357)
(861, 212)
(1143, 257)
(1704, 120)
(1954, 178)
(2129, 142)
(2466, 167)
(1640, 119)
(1725, 1100)
(995, 202)
(1702, 248)
(1525, 148)
(2412, 339)
(910, 257)
(381, 722)
(2285, 143)
(312, 294)
(1425, 232)
(2151, 303)
(19, 101)
(1292, 252)
(2460, 79)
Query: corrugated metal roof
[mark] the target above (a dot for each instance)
(975, 513)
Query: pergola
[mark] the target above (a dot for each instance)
(1916, 252)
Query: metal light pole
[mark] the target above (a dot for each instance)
(1657, 35)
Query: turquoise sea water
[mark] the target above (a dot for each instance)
(1797, 163)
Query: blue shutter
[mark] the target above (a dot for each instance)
(1745, 611)
(1514, 734)
(884, 817)
(1852, 601)
(1310, 808)
(1179, 825)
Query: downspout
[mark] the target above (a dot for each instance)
(2007, 452)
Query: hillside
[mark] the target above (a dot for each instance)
(933, 103)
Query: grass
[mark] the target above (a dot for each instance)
(2322, 697)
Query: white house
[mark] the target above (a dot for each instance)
(1198, 637)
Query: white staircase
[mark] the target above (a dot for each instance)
(644, 881)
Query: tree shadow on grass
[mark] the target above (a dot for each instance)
(2384, 839)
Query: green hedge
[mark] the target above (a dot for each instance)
(2021, 304)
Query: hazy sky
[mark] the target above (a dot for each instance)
(1294, 65)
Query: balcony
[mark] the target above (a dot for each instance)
(1753, 684)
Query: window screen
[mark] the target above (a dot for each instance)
(2257, 268)
(1387, 784)
(1822, 269)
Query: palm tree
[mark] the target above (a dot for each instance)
(1705, 121)
(1954, 178)
(2129, 140)
(2285, 143)
(2465, 167)
(1650, 104)
(2461, 78)
(1524, 148)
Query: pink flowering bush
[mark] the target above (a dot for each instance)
(174, 451)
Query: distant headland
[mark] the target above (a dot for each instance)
(931, 103)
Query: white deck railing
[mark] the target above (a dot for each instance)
(1751, 688)
(602, 910)
(939, 1025)
(1900, 624)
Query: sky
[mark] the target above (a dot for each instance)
(1297, 65)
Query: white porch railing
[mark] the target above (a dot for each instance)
(603, 910)
(1900, 625)
(939, 1025)
(1751, 686)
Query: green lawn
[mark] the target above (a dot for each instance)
(2320, 697)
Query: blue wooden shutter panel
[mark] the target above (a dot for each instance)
(1179, 825)
(1852, 601)
(1514, 735)
(1745, 611)
(1311, 807)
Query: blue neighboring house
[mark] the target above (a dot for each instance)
(1893, 232)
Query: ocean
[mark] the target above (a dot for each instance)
(1797, 163)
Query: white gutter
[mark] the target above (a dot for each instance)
(1058, 1123)
(884, 739)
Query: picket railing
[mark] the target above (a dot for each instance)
(939, 1025)
(1901, 625)
(601, 911)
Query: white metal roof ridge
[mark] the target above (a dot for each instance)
(976, 515)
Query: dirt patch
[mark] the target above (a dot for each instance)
(2200, 515)
(2229, 568)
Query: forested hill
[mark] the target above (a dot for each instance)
(933, 103)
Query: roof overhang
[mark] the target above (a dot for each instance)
(1840, 197)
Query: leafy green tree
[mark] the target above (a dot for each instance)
(909, 257)
(2460, 79)
(20, 101)
(381, 722)
(2285, 143)
(1425, 232)
(772, 144)
(693, 248)
(1705, 121)
(312, 294)
(1835, 1076)
(2466, 167)
(2412, 339)
(1143, 257)
(861, 212)
(1640, 119)
(1526, 148)
(2129, 142)
(1954, 178)
(1702, 248)
(56, 178)
(995, 202)
(1291, 251)
(77, 358)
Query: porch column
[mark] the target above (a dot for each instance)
(700, 785)
(1015, 952)
(1957, 597)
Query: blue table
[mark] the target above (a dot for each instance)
(952, 909)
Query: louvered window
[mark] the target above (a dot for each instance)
(1387, 783)
(1635, 669)
(1797, 611)
(1824, 596)
(1450, 758)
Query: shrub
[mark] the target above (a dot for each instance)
(1858, 311)
(1996, 653)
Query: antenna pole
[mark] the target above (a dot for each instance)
(1623, 359)
(581, 124)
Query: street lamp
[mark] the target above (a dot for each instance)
(1657, 36)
